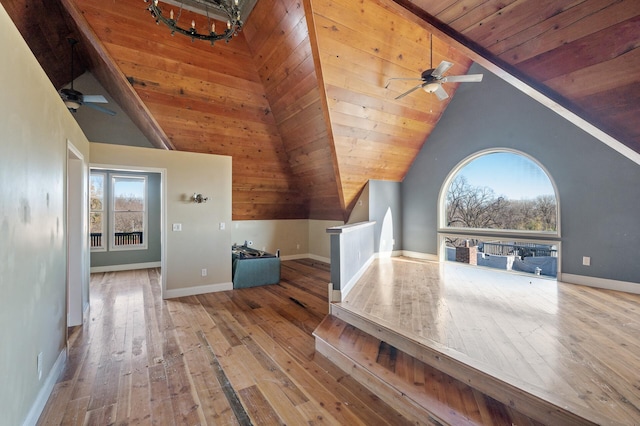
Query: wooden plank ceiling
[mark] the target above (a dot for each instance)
(298, 98)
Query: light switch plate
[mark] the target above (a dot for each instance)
(177, 227)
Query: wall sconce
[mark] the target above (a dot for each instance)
(198, 198)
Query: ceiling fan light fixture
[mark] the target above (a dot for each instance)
(72, 105)
(229, 9)
(431, 87)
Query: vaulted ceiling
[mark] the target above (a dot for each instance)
(298, 99)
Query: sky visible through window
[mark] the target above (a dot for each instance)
(511, 175)
(132, 186)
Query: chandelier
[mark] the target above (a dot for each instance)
(222, 8)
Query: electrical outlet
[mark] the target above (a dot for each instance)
(297, 246)
(204, 272)
(586, 261)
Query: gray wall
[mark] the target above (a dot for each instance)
(101, 127)
(153, 251)
(599, 189)
(385, 207)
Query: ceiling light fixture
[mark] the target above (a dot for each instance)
(226, 8)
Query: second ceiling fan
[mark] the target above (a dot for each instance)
(74, 99)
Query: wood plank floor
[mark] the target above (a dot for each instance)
(574, 346)
(232, 358)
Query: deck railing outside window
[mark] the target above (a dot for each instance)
(121, 238)
(518, 249)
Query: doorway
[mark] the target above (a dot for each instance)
(76, 219)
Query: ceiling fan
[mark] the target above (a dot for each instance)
(431, 80)
(73, 99)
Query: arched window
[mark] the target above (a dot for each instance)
(503, 203)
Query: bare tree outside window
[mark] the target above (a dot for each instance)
(129, 210)
(501, 190)
(96, 215)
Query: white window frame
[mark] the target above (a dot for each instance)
(444, 231)
(112, 212)
(104, 211)
(502, 233)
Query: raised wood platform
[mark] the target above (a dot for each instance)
(554, 352)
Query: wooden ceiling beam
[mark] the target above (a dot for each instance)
(103, 66)
(509, 73)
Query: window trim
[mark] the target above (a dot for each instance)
(501, 233)
(104, 237)
(543, 237)
(112, 212)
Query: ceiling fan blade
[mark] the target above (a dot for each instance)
(441, 69)
(99, 108)
(96, 99)
(399, 78)
(410, 91)
(441, 93)
(471, 78)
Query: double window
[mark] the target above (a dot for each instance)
(118, 217)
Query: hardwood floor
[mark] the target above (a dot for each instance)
(248, 357)
(232, 358)
(573, 346)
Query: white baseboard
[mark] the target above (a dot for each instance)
(85, 312)
(306, 256)
(388, 254)
(319, 258)
(295, 256)
(126, 267)
(604, 283)
(195, 290)
(423, 256)
(342, 293)
(46, 389)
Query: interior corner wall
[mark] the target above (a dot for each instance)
(290, 236)
(385, 208)
(205, 239)
(295, 238)
(360, 212)
(34, 129)
(599, 195)
(320, 240)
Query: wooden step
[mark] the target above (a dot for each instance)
(422, 392)
(356, 353)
